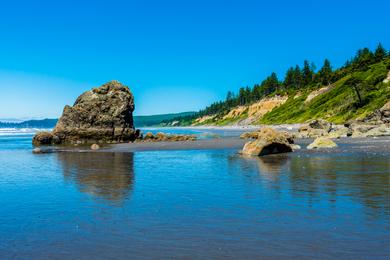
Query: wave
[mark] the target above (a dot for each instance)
(21, 131)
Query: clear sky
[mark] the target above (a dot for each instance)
(175, 55)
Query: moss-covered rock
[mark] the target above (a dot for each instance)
(322, 142)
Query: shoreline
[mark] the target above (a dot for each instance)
(227, 127)
(365, 144)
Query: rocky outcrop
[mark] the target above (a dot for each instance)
(320, 127)
(375, 124)
(379, 116)
(103, 114)
(161, 137)
(269, 141)
(315, 128)
(322, 142)
(358, 129)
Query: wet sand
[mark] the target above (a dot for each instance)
(379, 144)
(206, 144)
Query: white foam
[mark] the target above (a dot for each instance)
(20, 131)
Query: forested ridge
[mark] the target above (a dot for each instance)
(301, 79)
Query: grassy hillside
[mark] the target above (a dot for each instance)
(341, 102)
(338, 95)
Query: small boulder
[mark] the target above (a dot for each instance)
(37, 151)
(295, 147)
(42, 138)
(322, 142)
(148, 136)
(338, 131)
(320, 124)
(269, 141)
(315, 128)
(161, 136)
(95, 147)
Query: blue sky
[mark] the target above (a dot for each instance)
(174, 55)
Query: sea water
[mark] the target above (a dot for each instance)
(192, 204)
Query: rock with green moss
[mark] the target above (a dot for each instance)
(322, 142)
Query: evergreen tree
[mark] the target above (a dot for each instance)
(248, 95)
(307, 73)
(241, 96)
(363, 59)
(325, 73)
(289, 79)
(270, 84)
(380, 53)
(297, 77)
(258, 92)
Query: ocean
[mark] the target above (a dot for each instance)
(195, 204)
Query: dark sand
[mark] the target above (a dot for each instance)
(370, 145)
(379, 144)
(206, 144)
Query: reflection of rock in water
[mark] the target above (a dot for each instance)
(271, 166)
(106, 175)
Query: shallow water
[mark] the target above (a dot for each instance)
(192, 204)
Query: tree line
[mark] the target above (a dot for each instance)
(295, 78)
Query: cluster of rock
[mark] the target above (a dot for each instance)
(269, 141)
(375, 124)
(161, 137)
(319, 128)
(101, 115)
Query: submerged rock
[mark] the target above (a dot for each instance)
(102, 114)
(269, 141)
(322, 142)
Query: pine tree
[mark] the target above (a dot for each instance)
(307, 73)
(380, 53)
(297, 77)
(289, 79)
(258, 92)
(325, 73)
(270, 84)
(241, 96)
(363, 59)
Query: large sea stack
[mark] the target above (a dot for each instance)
(103, 114)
